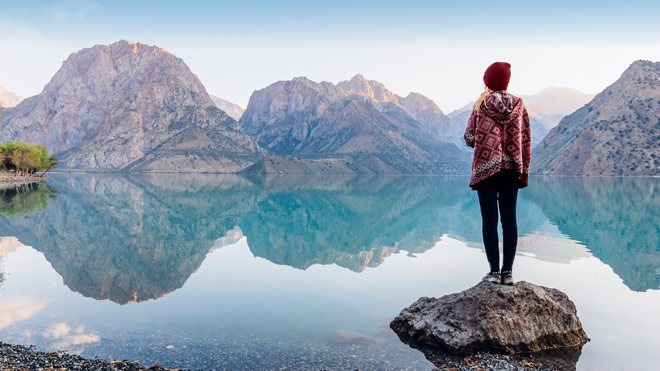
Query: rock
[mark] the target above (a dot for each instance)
(492, 318)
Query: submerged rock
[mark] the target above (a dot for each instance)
(493, 318)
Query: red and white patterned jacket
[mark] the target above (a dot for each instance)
(500, 134)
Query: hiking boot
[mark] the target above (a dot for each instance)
(493, 277)
(507, 278)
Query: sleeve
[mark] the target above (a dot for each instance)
(470, 130)
(526, 141)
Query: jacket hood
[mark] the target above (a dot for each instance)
(501, 105)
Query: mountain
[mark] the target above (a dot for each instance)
(551, 104)
(419, 107)
(130, 106)
(617, 133)
(355, 126)
(233, 110)
(9, 99)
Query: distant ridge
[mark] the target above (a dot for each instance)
(9, 99)
(233, 110)
(357, 126)
(552, 104)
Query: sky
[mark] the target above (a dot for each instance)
(436, 48)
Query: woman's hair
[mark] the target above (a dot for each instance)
(487, 91)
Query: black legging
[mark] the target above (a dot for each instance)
(488, 201)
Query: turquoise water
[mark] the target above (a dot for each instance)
(220, 271)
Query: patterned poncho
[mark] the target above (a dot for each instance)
(500, 134)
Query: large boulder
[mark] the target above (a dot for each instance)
(492, 318)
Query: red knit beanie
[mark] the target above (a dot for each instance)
(497, 76)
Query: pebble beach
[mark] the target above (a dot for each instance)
(19, 358)
(9, 180)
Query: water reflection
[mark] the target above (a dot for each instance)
(618, 219)
(565, 358)
(354, 222)
(25, 199)
(134, 238)
(128, 239)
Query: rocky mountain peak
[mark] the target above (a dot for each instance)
(360, 86)
(107, 70)
(137, 47)
(357, 126)
(416, 103)
(110, 106)
(641, 77)
(279, 100)
(303, 80)
(420, 100)
(642, 65)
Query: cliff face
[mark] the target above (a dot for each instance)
(358, 121)
(129, 106)
(617, 133)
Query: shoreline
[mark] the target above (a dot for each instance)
(112, 171)
(19, 357)
(10, 180)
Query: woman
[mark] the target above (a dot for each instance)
(498, 130)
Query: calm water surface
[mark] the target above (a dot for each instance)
(305, 272)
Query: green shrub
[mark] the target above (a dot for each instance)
(26, 158)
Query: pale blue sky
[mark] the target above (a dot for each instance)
(439, 49)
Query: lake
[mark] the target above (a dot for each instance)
(305, 272)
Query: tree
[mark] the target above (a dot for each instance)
(53, 161)
(26, 158)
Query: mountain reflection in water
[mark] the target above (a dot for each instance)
(137, 237)
(617, 218)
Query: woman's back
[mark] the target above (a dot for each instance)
(499, 131)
